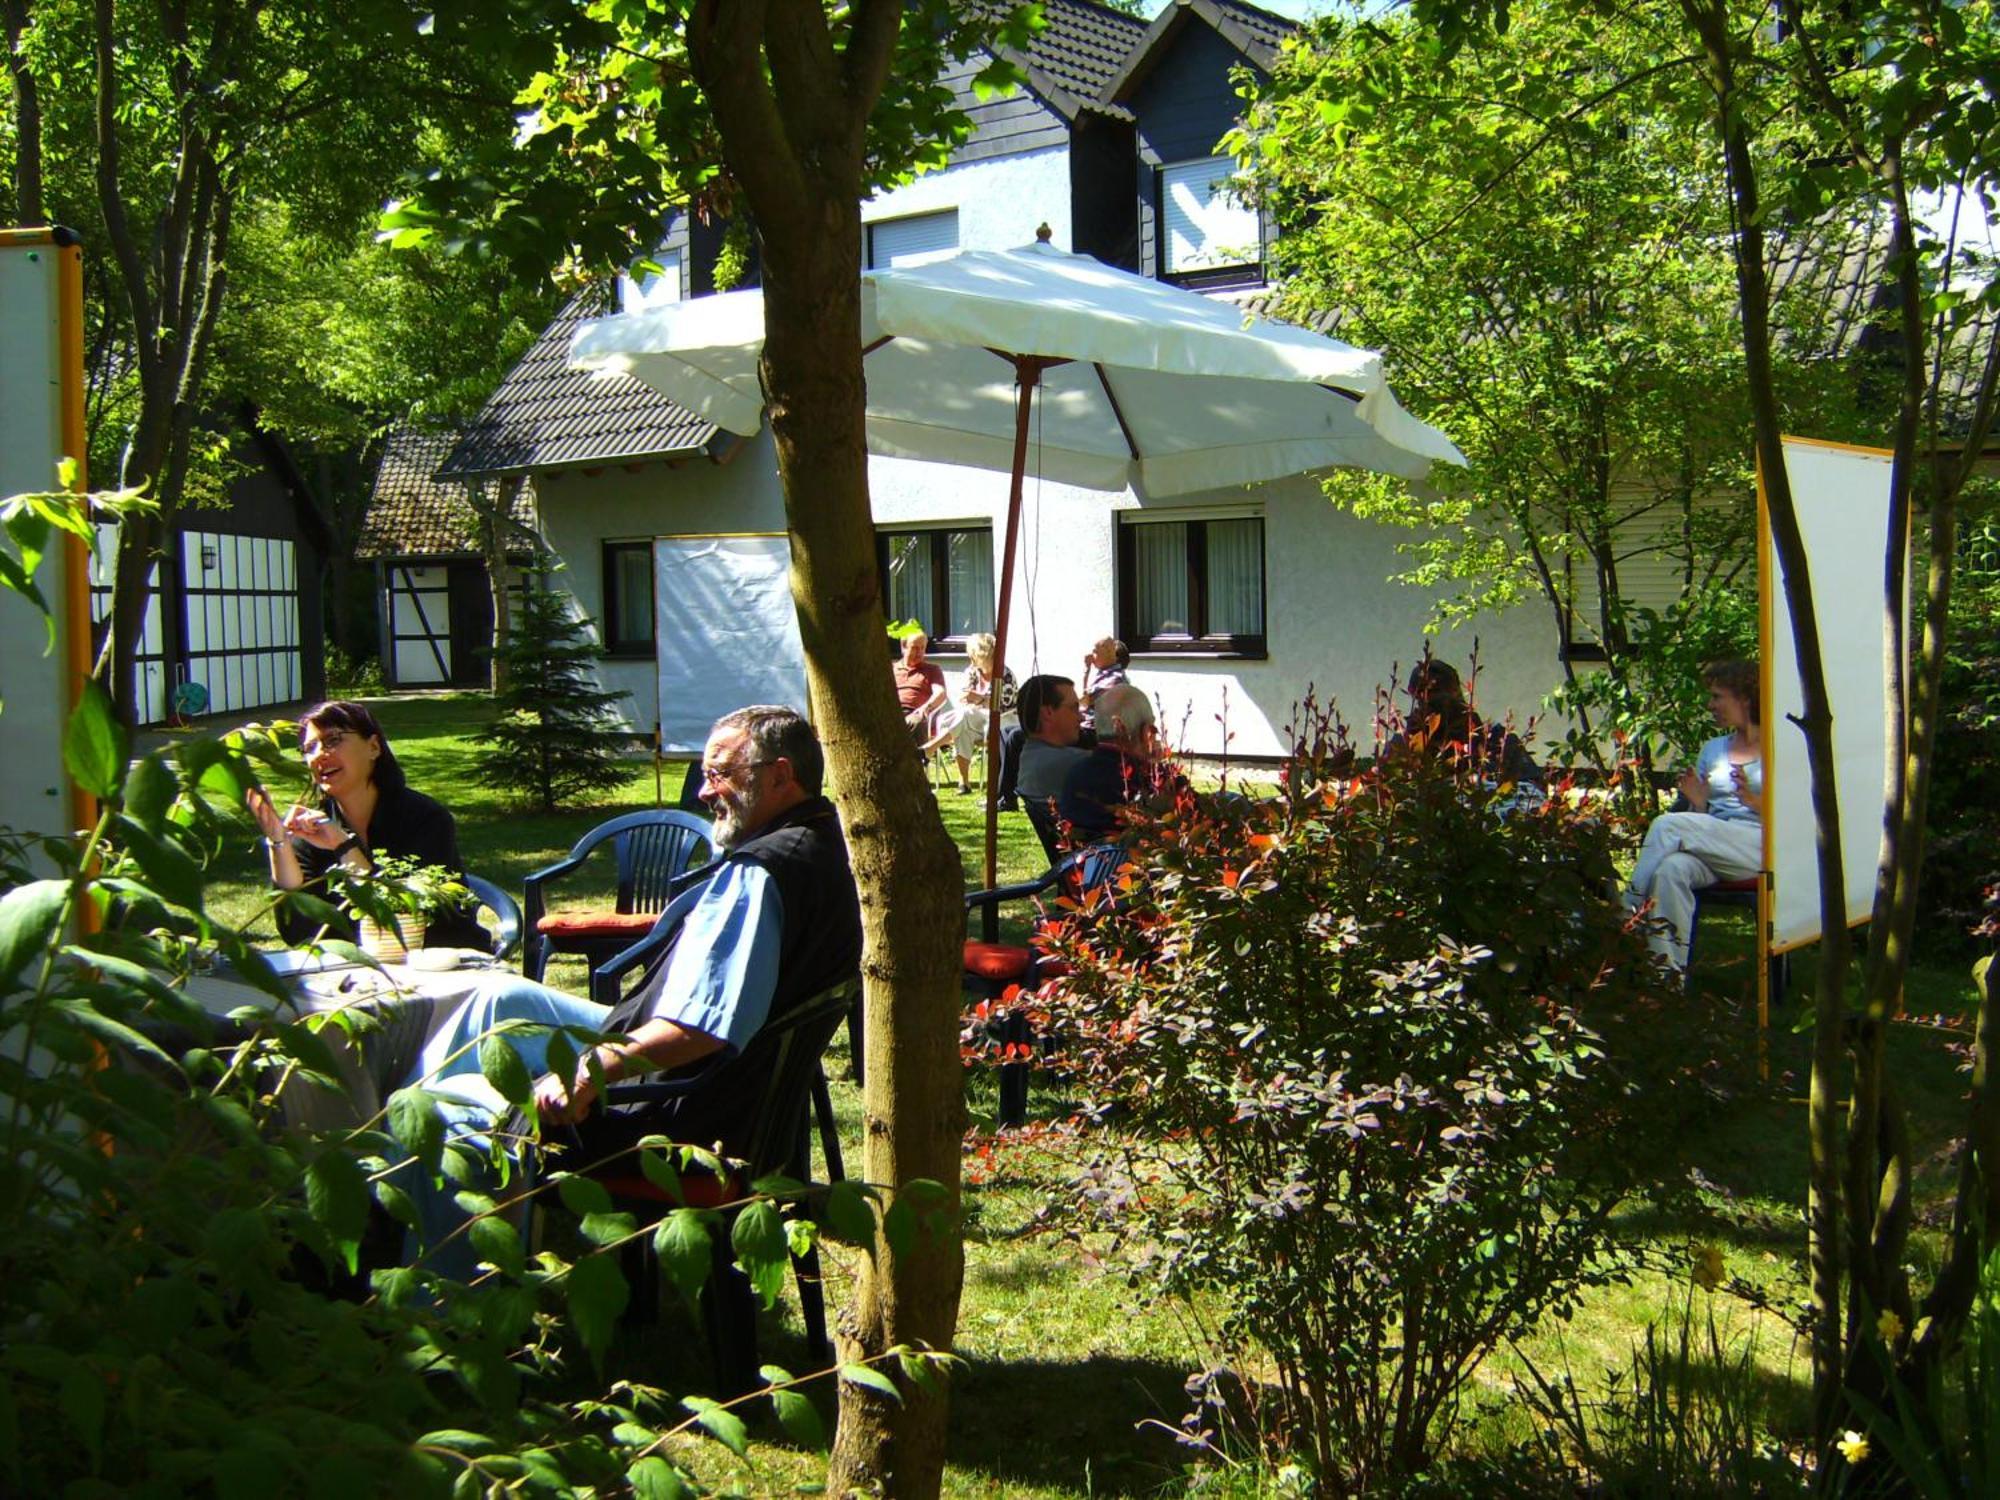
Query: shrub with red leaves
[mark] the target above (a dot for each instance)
(1349, 1044)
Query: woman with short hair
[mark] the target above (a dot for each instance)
(1721, 834)
(969, 723)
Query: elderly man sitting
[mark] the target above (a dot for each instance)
(775, 923)
(920, 690)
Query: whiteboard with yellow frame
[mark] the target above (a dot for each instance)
(1841, 494)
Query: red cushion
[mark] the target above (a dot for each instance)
(1748, 885)
(698, 1189)
(587, 924)
(997, 960)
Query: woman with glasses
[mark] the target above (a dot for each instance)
(365, 808)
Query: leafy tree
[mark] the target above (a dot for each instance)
(554, 735)
(1536, 232)
(172, 126)
(1876, 106)
(793, 112)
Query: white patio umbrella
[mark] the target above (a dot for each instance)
(1142, 385)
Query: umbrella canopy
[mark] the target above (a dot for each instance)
(1142, 385)
(1164, 390)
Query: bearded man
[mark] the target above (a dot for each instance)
(775, 922)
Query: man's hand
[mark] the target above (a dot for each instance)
(560, 1103)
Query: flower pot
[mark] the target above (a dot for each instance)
(384, 944)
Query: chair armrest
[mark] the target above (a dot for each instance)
(531, 889)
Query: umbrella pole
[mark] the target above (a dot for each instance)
(1027, 375)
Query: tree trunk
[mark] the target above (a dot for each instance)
(1712, 23)
(905, 864)
(27, 119)
(495, 520)
(791, 112)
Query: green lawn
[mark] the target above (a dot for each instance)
(1074, 1378)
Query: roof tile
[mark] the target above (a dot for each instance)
(412, 512)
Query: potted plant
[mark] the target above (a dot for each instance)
(395, 901)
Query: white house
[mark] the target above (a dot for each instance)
(1235, 604)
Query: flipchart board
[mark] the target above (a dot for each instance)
(40, 420)
(1842, 497)
(728, 633)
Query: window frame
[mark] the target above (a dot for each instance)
(938, 214)
(940, 548)
(1243, 646)
(1226, 275)
(627, 648)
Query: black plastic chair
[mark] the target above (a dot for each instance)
(783, 1062)
(506, 914)
(990, 970)
(652, 850)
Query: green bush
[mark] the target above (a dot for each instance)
(1342, 1037)
(185, 1305)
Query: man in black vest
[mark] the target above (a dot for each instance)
(777, 923)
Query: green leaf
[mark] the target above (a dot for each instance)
(800, 1418)
(761, 1248)
(398, 1204)
(721, 1424)
(899, 1228)
(660, 1171)
(873, 1379)
(150, 790)
(653, 1478)
(236, 1240)
(850, 1213)
(607, 1229)
(172, 874)
(337, 1197)
(94, 744)
(415, 1122)
(28, 917)
(583, 1195)
(597, 1295)
(504, 1069)
(81, 1393)
(497, 1241)
(685, 1251)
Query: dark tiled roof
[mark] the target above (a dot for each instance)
(547, 416)
(412, 512)
(1080, 50)
(1257, 34)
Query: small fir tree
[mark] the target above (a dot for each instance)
(555, 736)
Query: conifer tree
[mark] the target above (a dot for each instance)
(556, 734)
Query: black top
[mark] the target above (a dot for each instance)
(407, 824)
(1102, 782)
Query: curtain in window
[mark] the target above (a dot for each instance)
(910, 577)
(1235, 577)
(970, 580)
(1159, 555)
(634, 593)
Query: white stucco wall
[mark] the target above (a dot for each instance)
(1000, 202)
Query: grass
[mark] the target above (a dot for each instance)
(1072, 1375)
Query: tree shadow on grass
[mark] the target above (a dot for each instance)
(1075, 1424)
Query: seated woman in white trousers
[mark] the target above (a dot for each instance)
(1721, 837)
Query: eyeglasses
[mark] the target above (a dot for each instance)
(723, 776)
(331, 741)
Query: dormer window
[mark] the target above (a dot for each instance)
(1204, 226)
(644, 289)
(913, 240)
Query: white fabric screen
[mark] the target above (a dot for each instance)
(912, 241)
(728, 634)
(1843, 503)
(1204, 221)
